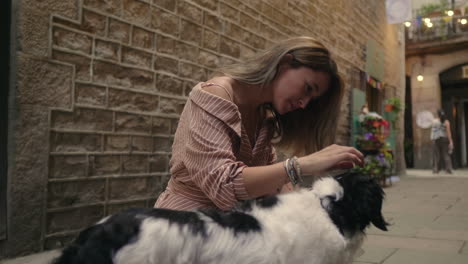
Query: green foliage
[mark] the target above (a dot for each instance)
(396, 103)
(427, 9)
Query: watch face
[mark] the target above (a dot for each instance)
(424, 119)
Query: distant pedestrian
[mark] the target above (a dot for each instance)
(442, 143)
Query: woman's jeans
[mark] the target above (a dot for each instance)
(441, 152)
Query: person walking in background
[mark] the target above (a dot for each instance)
(222, 151)
(442, 142)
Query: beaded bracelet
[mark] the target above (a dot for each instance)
(293, 170)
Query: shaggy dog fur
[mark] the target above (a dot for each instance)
(323, 225)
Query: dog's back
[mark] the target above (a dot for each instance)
(324, 225)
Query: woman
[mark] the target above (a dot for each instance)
(442, 143)
(222, 150)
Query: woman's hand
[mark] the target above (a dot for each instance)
(329, 158)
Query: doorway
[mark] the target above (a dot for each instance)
(5, 24)
(454, 91)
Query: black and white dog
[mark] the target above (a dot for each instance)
(323, 225)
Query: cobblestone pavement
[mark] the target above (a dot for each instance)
(429, 217)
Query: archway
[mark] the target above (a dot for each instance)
(454, 95)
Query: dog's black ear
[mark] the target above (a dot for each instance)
(379, 222)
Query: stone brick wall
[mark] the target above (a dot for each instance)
(100, 84)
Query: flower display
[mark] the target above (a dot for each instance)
(378, 158)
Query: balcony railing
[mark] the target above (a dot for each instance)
(436, 29)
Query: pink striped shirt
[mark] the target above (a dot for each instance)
(211, 148)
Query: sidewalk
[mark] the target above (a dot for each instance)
(429, 217)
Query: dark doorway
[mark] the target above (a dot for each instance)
(5, 15)
(408, 141)
(454, 91)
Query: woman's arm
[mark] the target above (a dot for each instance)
(449, 131)
(263, 180)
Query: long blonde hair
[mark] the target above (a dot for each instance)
(302, 131)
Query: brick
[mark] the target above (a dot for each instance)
(186, 51)
(269, 32)
(252, 8)
(73, 219)
(58, 241)
(137, 11)
(212, 21)
(165, 44)
(132, 101)
(274, 14)
(83, 119)
(106, 50)
(228, 12)
(188, 86)
(119, 207)
(248, 22)
(69, 166)
(158, 163)
(167, 4)
(108, 6)
(168, 84)
(74, 142)
(104, 165)
(165, 21)
(142, 38)
(209, 4)
(174, 124)
(64, 194)
(226, 61)
(135, 164)
(93, 23)
(247, 52)
(166, 64)
(143, 144)
(82, 64)
(253, 40)
(171, 106)
(161, 125)
(208, 59)
(117, 143)
(132, 123)
(119, 31)
(233, 31)
(162, 144)
(190, 32)
(136, 57)
(210, 40)
(89, 94)
(229, 47)
(113, 74)
(43, 83)
(192, 71)
(72, 40)
(280, 4)
(132, 188)
(190, 11)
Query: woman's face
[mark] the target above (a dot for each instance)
(294, 88)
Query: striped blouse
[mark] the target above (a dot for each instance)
(211, 148)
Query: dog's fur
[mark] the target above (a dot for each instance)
(322, 225)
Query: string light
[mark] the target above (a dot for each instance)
(427, 20)
(420, 78)
(450, 13)
(463, 21)
(407, 24)
(429, 25)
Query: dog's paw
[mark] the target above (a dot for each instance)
(328, 188)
